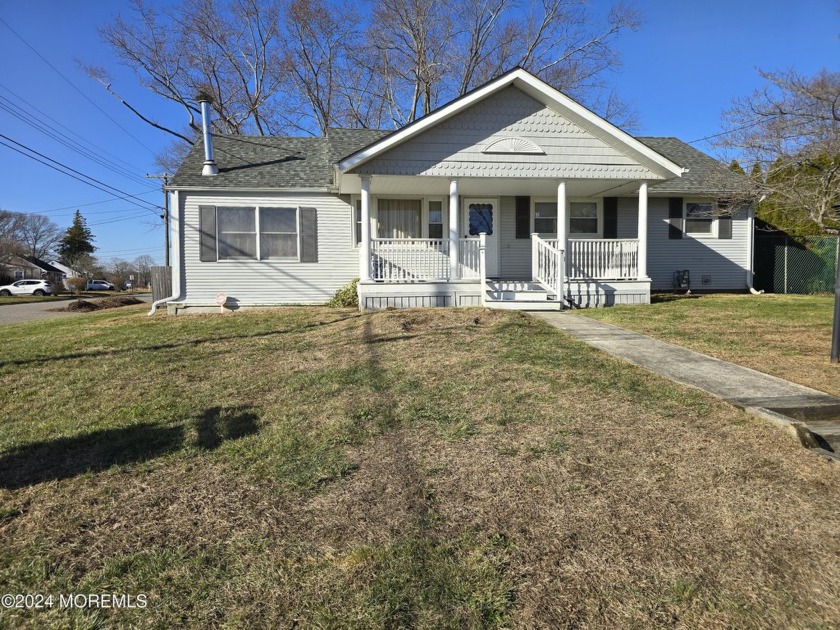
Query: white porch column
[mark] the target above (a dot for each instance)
(643, 230)
(562, 218)
(364, 246)
(453, 229)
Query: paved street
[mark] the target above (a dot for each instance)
(14, 313)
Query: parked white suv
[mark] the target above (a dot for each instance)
(27, 287)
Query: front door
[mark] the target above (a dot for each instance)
(482, 215)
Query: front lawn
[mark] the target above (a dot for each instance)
(405, 469)
(788, 336)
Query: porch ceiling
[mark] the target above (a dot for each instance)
(494, 187)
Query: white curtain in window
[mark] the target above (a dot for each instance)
(399, 218)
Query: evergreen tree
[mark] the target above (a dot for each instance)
(736, 168)
(77, 242)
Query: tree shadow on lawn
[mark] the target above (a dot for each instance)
(176, 345)
(64, 458)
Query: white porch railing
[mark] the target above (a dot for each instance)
(603, 259)
(547, 264)
(421, 259)
(426, 260)
(468, 258)
(409, 259)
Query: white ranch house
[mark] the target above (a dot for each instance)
(512, 196)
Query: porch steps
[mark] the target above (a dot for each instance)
(520, 295)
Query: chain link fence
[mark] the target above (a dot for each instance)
(788, 264)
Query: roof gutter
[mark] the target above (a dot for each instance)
(175, 239)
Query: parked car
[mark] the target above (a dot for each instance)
(99, 285)
(27, 287)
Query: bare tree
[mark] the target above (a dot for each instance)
(39, 235)
(143, 264)
(304, 65)
(10, 244)
(791, 128)
(319, 42)
(426, 56)
(410, 38)
(230, 51)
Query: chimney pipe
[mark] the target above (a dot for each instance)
(210, 167)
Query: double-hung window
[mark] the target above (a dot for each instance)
(583, 218)
(545, 218)
(699, 218)
(436, 219)
(278, 233)
(237, 233)
(357, 222)
(258, 233)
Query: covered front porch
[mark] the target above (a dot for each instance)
(544, 248)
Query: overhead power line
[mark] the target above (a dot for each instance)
(57, 136)
(93, 203)
(100, 185)
(41, 121)
(74, 86)
(62, 138)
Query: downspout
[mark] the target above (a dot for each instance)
(751, 248)
(175, 240)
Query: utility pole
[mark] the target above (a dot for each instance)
(165, 215)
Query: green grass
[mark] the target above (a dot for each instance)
(405, 469)
(784, 335)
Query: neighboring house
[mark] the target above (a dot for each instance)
(21, 267)
(508, 196)
(67, 271)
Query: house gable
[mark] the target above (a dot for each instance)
(509, 134)
(515, 126)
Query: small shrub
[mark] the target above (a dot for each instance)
(347, 296)
(78, 285)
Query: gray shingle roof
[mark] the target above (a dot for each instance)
(705, 174)
(265, 162)
(273, 162)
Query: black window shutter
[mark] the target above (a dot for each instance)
(207, 233)
(610, 217)
(523, 217)
(675, 217)
(308, 235)
(724, 220)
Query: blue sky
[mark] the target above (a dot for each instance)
(681, 69)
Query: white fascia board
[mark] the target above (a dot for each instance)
(549, 96)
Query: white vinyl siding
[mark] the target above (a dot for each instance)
(724, 261)
(269, 282)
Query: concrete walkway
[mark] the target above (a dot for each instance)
(812, 415)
